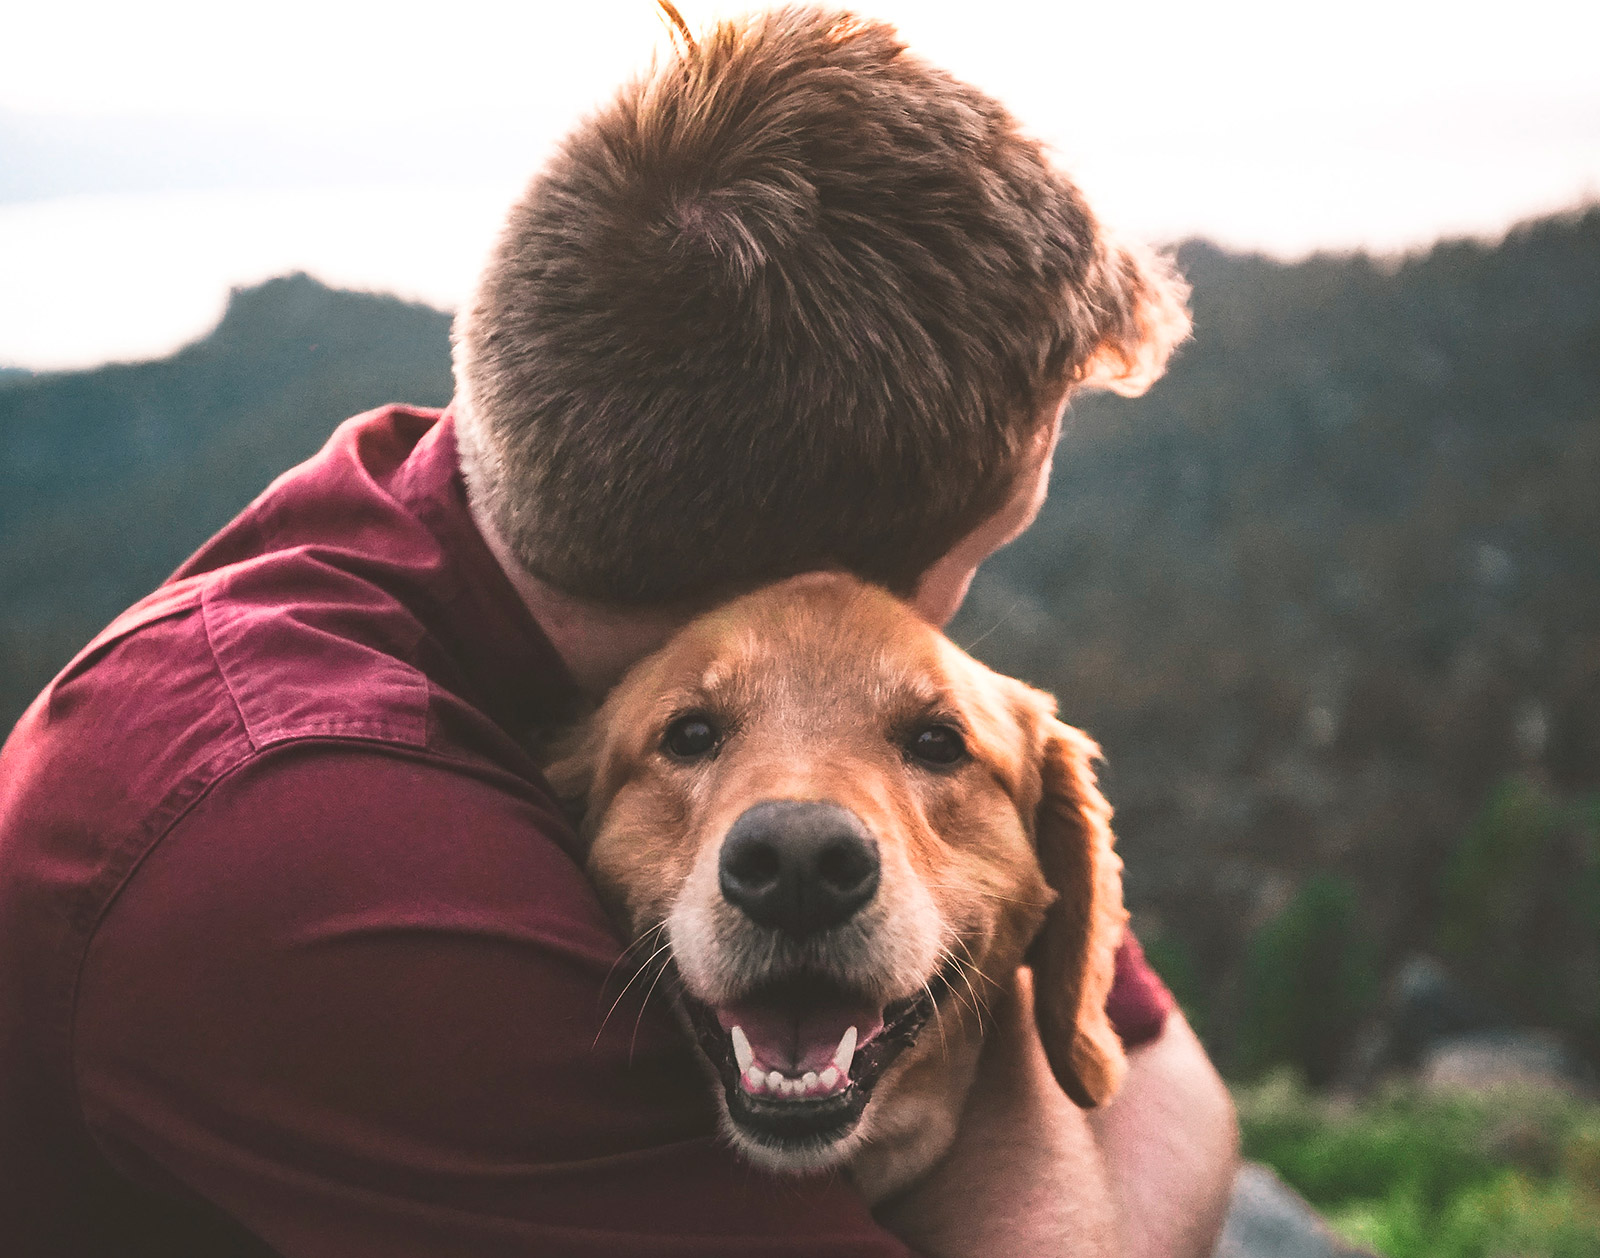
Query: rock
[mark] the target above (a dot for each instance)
(1268, 1219)
(1429, 1005)
(1424, 1005)
(1488, 1060)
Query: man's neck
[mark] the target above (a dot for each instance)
(597, 643)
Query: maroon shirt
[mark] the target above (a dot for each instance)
(296, 953)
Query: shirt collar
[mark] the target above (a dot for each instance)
(515, 675)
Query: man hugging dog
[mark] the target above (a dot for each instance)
(297, 952)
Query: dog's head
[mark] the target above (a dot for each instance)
(841, 827)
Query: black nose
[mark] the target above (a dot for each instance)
(797, 866)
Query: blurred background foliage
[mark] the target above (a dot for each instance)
(1329, 597)
(1415, 1175)
(1522, 885)
(1311, 973)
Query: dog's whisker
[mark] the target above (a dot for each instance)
(972, 964)
(643, 1005)
(641, 942)
(604, 1022)
(634, 979)
(956, 964)
(944, 1045)
(967, 1004)
(1010, 611)
(983, 1005)
(965, 969)
(991, 895)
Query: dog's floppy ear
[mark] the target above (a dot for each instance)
(569, 760)
(1140, 312)
(1074, 956)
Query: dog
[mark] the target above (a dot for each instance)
(833, 827)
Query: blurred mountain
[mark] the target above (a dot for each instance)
(1329, 597)
(1322, 592)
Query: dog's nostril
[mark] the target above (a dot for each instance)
(798, 866)
(752, 865)
(846, 864)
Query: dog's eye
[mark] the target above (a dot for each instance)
(690, 737)
(940, 745)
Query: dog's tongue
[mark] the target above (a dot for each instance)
(800, 1035)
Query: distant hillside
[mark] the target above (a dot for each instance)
(1334, 581)
(1329, 596)
(110, 478)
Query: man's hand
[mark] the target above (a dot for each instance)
(1025, 1175)
(1148, 1176)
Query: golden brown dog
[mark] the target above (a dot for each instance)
(844, 835)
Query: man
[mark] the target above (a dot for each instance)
(296, 954)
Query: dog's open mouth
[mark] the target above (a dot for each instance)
(799, 1057)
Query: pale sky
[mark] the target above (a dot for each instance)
(208, 144)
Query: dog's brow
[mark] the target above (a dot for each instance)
(716, 676)
(913, 691)
(671, 703)
(722, 686)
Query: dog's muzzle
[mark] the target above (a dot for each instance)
(800, 1051)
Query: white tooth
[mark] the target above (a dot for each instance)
(756, 1079)
(741, 1048)
(808, 1080)
(845, 1052)
(775, 1082)
(788, 1087)
(828, 1077)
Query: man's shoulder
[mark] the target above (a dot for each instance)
(140, 711)
(305, 647)
(307, 600)
(216, 667)
(307, 616)
(337, 608)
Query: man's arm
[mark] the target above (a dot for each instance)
(1170, 1144)
(1025, 1175)
(1146, 1177)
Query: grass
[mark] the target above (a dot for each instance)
(1513, 1174)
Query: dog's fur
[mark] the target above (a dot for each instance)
(817, 687)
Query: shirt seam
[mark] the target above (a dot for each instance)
(206, 615)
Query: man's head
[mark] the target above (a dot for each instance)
(793, 300)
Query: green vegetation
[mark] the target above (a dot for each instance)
(1520, 906)
(1513, 1174)
(1171, 958)
(1311, 973)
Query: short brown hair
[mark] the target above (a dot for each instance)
(794, 299)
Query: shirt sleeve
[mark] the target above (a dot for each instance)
(1139, 1001)
(363, 1003)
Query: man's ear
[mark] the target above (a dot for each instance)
(1141, 304)
(1074, 957)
